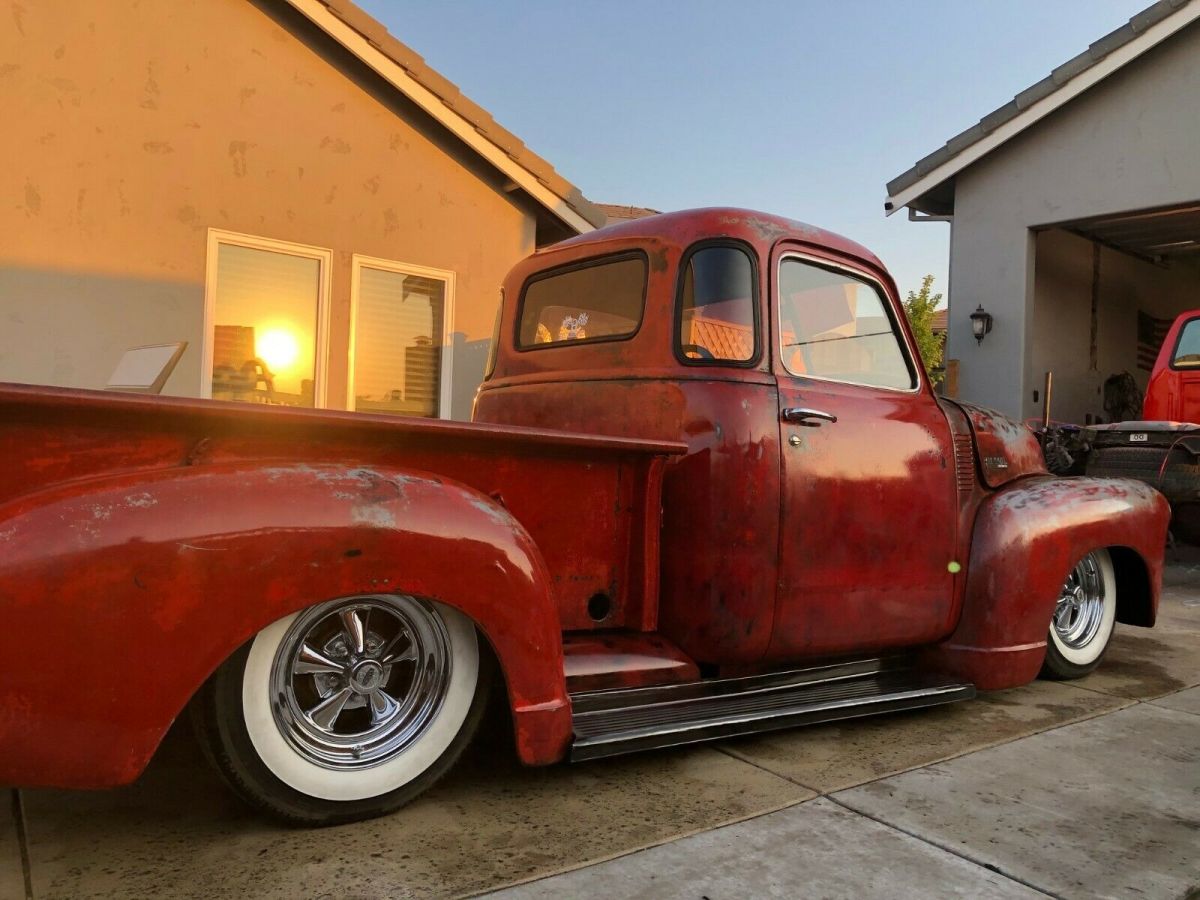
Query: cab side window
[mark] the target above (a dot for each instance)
(1187, 351)
(716, 323)
(836, 326)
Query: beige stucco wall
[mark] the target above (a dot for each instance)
(1062, 317)
(131, 128)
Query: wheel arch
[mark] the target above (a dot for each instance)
(1026, 538)
(180, 568)
(1136, 595)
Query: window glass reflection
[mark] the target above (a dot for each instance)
(835, 326)
(716, 321)
(398, 343)
(597, 301)
(265, 326)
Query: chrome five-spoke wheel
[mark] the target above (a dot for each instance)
(346, 709)
(1083, 618)
(359, 682)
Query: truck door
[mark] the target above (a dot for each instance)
(868, 491)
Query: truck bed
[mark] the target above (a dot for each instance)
(591, 503)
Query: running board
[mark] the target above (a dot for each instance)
(610, 723)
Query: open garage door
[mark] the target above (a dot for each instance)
(1105, 291)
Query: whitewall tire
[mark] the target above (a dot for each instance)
(345, 710)
(1084, 617)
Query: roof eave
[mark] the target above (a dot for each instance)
(1038, 101)
(366, 38)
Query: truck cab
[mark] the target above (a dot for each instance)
(776, 353)
(828, 499)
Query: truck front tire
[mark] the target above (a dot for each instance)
(345, 710)
(1083, 619)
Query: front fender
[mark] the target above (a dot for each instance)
(120, 597)
(1026, 539)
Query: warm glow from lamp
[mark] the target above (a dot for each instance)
(278, 348)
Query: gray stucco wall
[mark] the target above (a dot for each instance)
(1131, 142)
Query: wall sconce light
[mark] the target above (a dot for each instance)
(981, 323)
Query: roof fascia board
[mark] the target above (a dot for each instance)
(1149, 38)
(393, 73)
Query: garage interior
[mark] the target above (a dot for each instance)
(1106, 290)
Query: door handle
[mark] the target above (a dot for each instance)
(798, 415)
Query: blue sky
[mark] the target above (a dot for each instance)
(801, 108)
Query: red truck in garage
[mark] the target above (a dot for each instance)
(1162, 448)
(708, 490)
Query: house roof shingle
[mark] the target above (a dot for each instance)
(616, 212)
(1052, 84)
(415, 67)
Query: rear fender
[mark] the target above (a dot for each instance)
(1026, 539)
(120, 597)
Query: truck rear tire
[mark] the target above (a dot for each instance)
(345, 710)
(1083, 619)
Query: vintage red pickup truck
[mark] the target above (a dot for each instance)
(708, 491)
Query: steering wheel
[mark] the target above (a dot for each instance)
(702, 352)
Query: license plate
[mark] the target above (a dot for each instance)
(1138, 437)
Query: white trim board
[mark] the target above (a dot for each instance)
(1120, 57)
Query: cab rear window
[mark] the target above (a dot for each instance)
(597, 301)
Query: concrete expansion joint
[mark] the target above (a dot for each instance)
(750, 762)
(18, 814)
(953, 851)
(830, 794)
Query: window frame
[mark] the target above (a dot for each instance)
(578, 265)
(489, 367)
(324, 258)
(907, 351)
(1175, 350)
(756, 301)
(358, 262)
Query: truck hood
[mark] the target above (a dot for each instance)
(1005, 448)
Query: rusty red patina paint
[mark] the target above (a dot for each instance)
(150, 538)
(1027, 537)
(116, 535)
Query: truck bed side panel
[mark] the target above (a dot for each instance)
(591, 504)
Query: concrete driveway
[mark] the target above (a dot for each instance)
(1077, 790)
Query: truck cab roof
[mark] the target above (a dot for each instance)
(687, 226)
(615, 307)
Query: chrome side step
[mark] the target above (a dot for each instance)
(610, 723)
